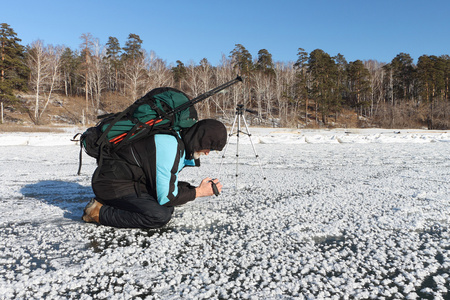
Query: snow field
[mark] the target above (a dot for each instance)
(361, 214)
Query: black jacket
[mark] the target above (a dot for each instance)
(152, 164)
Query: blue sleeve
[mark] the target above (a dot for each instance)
(190, 163)
(167, 162)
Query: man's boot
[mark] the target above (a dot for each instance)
(92, 211)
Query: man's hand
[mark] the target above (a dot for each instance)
(206, 187)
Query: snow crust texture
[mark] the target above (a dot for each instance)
(343, 214)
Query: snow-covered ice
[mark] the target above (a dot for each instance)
(343, 214)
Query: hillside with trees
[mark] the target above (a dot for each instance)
(44, 84)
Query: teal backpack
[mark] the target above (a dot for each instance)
(162, 110)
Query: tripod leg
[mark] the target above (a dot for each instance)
(226, 146)
(254, 150)
(237, 149)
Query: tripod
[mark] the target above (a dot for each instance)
(240, 115)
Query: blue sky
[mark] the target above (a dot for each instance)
(190, 30)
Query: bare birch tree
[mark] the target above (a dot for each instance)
(44, 64)
(280, 92)
(194, 84)
(53, 55)
(376, 83)
(135, 75)
(206, 76)
(86, 47)
(157, 72)
(230, 97)
(290, 94)
(97, 73)
(194, 80)
(261, 85)
(38, 66)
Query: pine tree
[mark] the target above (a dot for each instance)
(264, 62)
(301, 85)
(113, 48)
(431, 76)
(133, 67)
(113, 52)
(358, 85)
(323, 72)
(446, 67)
(262, 77)
(13, 70)
(133, 47)
(342, 79)
(402, 75)
(241, 59)
(70, 62)
(86, 46)
(179, 73)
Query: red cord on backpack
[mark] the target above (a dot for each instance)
(119, 138)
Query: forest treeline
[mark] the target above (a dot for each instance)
(314, 90)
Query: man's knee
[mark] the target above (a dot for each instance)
(157, 219)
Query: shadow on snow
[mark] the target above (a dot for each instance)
(69, 196)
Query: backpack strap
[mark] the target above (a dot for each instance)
(80, 156)
(161, 113)
(110, 126)
(99, 163)
(80, 159)
(129, 134)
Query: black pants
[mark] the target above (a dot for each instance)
(135, 212)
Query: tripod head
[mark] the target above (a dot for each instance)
(240, 110)
(237, 120)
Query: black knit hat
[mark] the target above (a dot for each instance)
(208, 134)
